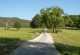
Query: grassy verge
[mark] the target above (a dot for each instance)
(68, 42)
(7, 45)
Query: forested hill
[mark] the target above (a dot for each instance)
(12, 20)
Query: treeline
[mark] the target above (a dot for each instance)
(69, 21)
(13, 21)
(55, 18)
(72, 21)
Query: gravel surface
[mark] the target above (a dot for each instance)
(41, 45)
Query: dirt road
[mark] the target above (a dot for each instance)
(41, 45)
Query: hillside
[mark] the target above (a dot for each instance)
(12, 20)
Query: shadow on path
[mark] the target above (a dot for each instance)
(35, 48)
(7, 45)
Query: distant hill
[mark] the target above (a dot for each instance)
(12, 20)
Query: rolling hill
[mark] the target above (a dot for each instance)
(12, 20)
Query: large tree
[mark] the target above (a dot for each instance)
(52, 17)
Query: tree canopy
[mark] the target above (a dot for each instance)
(49, 17)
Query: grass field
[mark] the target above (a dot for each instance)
(68, 42)
(70, 37)
(23, 34)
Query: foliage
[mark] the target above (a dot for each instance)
(54, 18)
(72, 21)
(68, 21)
(49, 18)
(76, 20)
(36, 21)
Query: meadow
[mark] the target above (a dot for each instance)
(68, 42)
(23, 33)
(70, 37)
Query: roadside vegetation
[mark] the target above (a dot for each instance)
(68, 42)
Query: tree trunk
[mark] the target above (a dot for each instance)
(53, 29)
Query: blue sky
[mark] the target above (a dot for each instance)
(26, 9)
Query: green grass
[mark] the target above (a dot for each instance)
(23, 33)
(70, 37)
(68, 42)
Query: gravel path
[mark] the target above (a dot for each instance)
(41, 45)
(44, 38)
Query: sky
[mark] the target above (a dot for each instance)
(26, 9)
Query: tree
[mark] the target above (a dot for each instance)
(68, 21)
(17, 25)
(52, 17)
(76, 20)
(36, 21)
(57, 17)
(45, 17)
